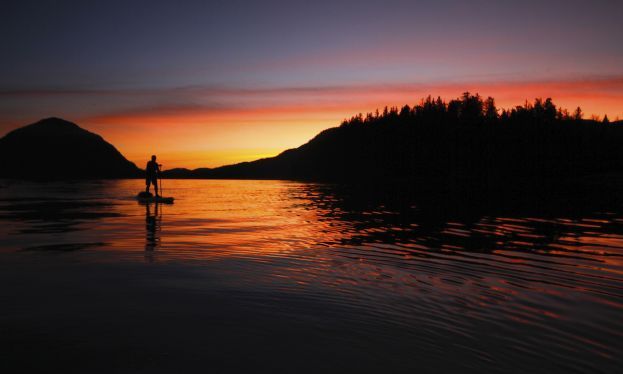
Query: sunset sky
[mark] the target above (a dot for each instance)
(207, 83)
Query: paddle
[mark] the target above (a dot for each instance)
(160, 178)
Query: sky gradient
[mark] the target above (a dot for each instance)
(212, 83)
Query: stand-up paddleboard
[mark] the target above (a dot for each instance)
(146, 197)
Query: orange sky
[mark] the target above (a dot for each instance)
(278, 119)
(228, 125)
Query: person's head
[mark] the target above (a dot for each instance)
(153, 157)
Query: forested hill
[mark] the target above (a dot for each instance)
(464, 140)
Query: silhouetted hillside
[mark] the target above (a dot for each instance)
(57, 149)
(467, 140)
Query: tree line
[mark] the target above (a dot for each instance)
(440, 145)
(472, 110)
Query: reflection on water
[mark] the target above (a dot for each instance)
(152, 226)
(337, 279)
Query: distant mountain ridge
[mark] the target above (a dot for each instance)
(435, 163)
(54, 148)
(434, 143)
(444, 144)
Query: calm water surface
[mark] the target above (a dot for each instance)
(272, 276)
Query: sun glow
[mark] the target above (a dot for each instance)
(254, 123)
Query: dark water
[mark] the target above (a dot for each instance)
(270, 276)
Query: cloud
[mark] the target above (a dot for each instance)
(586, 85)
(596, 94)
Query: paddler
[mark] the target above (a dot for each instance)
(153, 171)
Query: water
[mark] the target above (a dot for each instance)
(258, 276)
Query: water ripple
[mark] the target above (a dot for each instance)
(486, 289)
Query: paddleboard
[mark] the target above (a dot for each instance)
(149, 198)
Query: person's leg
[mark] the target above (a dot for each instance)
(147, 185)
(155, 182)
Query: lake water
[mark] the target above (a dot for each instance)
(275, 276)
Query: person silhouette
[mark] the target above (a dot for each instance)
(153, 171)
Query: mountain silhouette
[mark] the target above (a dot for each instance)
(57, 149)
(465, 142)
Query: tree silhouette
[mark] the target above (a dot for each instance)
(471, 109)
(491, 112)
(549, 110)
